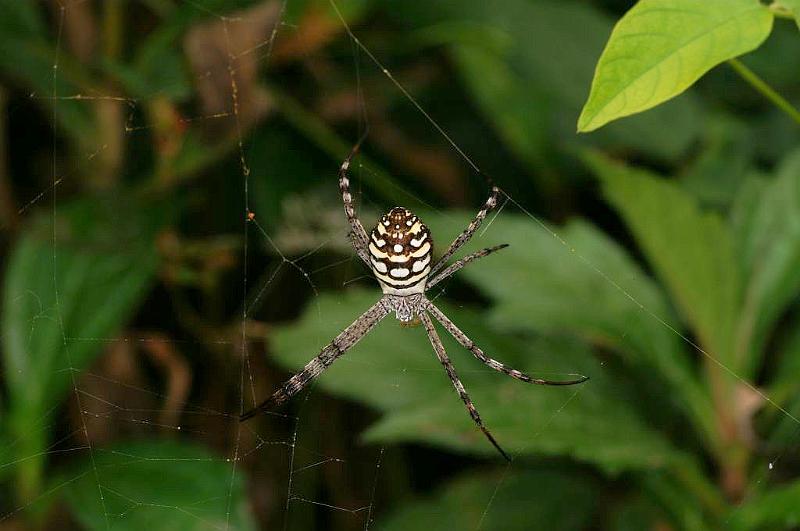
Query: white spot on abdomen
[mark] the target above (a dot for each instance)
(420, 264)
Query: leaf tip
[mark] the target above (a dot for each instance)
(587, 123)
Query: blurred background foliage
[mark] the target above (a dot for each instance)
(141, 311)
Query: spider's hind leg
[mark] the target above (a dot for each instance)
(476, 351)
(451, 373)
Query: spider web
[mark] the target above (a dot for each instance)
(295, 441)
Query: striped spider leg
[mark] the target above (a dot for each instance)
(358, 236)
(476, 351)
(330, 353)
(438, 347)
(465, 236)
(399, 251)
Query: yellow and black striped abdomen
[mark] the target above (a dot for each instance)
(400, 251)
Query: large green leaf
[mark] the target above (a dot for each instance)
(691, 251)
(768, 245)
(779, 508)
(590, 287)
(164, 485)
(661, 47)
(395, 370)
(58, 298)
(534, 499)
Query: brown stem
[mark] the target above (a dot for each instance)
(177, 372)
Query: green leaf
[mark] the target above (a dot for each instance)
(660, 48)
(533, 499)
(690, 250)
(768, 245)
(395, 370)
(779, 508)
(102, 263)
(164, 485)
(602, 295)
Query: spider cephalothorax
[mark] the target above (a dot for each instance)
(400, 251)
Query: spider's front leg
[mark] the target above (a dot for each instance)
(454, 268)
(361, 250)
(473, 226)
(358, 236)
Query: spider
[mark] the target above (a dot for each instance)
(399, 252)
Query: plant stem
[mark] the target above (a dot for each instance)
(761, 86)
(113, 27)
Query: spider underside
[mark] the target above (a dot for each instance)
(399, 252)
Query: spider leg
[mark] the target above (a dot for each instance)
(330, 353)
(360, 251)
(464, 237)
(358, 236)
(451, 373)
(467, 343)
(452, 269)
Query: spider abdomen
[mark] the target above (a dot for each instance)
(400, 251)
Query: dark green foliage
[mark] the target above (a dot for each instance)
(659, 255)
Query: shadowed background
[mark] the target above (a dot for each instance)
(142, 311)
